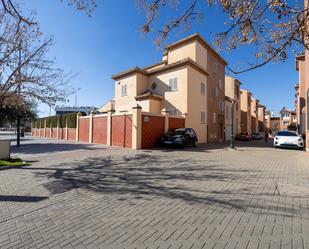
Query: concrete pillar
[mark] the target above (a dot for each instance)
(44, 127)
(77, 125)
(137, 127)
(109, 127)
(91, 126)
(58, 124)
(166, 122)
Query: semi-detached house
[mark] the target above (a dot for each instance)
(188, 82)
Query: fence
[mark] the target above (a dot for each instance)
(137, 130)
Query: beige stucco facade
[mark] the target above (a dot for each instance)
(245, 109)
(188, 82)
(261, 118)
(232, 94)
(254, 115)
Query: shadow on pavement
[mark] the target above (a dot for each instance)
(40, 148)
(16, 198)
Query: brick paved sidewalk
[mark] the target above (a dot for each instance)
(97, 197)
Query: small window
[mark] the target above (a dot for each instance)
(173, 84)
(217, 92)
(215, 117)
(203, 117)
(220, 84)
(173, 112)
(215, 66)
(203, 88)
(124, 90)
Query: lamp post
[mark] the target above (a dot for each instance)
(232, 145)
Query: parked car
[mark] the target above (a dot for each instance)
(180, 137)
(256, 136)
(243, 136)
(288, 139)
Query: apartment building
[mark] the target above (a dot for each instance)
(245, 110)
(232, 100)
(254, 115)
(188, 82)
(267, 120)
(287, 119)
(261, 118)
(274, 125)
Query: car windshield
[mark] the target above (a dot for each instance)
(177, 131)
(287, 134)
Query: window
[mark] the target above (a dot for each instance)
(203, 88)
(173, 112)
(215, 117)
(217, 92)
(220, 84)
(124, 90)
(173, 84)
(221, 106)
(203, 117)
(215, 66)
(227, 112)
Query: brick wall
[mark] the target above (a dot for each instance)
(122, 131)
(152, 130)
(174, 123)
(99, 132)
(71, 134)
(83, 129)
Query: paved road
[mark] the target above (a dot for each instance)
(90, 196)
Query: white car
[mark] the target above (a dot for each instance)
(288, 139)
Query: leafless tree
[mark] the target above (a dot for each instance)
(26, 74)
(271, 27)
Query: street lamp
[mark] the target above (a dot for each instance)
(233, 101)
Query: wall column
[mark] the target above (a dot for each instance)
(90, 126)
(166, 122)
(44, 127)
(58, 123)
(137, 127)
(77, 125)
(109, 128)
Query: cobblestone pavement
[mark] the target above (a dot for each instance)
(90, 196)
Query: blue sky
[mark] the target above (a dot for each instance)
(109, 42)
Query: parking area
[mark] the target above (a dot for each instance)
(90, 196)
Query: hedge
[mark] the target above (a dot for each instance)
(52, 121)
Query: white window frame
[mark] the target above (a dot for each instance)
(173, 84)
(203, 117)
(124, 90)
(217, 92)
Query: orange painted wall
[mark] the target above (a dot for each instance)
(174, 123)
(71, 134)
(83, 130)
(99, 132)
(152, 131)
(122, 131)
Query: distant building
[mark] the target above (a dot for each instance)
(254, 115)
(70, 109)
(274, 125)
(287, 119)
(261, 118)
(245, 107)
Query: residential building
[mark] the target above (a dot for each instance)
(306, 72)
(254, 115)
(189, 82)
(60, 110)
(232, 94)
(267, 120)
(274, 125)
(245, 109)
(261, 118)
(287, 119)
(300, 94)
